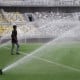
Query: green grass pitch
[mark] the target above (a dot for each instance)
(56, 62)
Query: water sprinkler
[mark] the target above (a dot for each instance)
(1, 72)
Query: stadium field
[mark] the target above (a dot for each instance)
(54, 62)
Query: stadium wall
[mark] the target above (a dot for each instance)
(41, 9)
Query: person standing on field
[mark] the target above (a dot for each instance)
(14, 40)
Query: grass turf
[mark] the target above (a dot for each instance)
(36, 69)
(5, 53)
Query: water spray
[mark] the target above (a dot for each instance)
(30, 56)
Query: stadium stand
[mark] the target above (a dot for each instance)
(44, 24)
(14, 17)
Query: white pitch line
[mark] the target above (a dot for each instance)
(4, 44)
(58, 64)
(52, 62)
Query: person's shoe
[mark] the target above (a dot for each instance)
(12, 54)
(18, 53)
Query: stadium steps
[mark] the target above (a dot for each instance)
(5, 30)
(14, 17)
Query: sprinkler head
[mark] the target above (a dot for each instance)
(1, 72)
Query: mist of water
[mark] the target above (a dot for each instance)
(29, 56)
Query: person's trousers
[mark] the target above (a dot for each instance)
(17, 47)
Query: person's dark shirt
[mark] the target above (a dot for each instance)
(14, 36)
